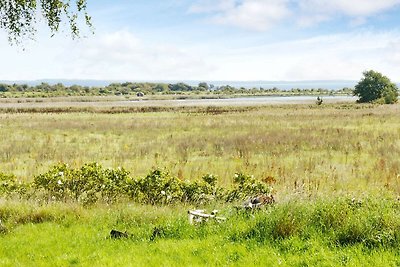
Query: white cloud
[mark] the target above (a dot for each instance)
(28, 62)
(117, 55)
(256, 15)
(209, 6)
(261, 15)
(354, 8)
(341, 56)
(392, 54)
(315, 11)
(122, 55)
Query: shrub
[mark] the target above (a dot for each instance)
(202, 192)
(85, 185)
(53, 182)
(8, 184)
(246, 186)
(114, 183)
(158, 187)
(92, 183)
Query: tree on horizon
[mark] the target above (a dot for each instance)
(375, 87)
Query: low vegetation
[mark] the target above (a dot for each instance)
(334, 232)
(92, 183)
(331, 169)
(309, 150)
(136, 89)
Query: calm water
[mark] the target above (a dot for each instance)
(261, 100)
(241, 101)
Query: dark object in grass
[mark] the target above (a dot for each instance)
(157, 232)
(259, 201)
(115, 234)
(319, 101)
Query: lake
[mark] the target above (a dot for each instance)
(239, 101)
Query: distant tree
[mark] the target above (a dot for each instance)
(18, 17)
(374, 87)
(161, 87)
(180, 87)
(203, 86)
(44, 87)
(227, 88)
(4, 88)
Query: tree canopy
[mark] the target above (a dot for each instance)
(18, 17)
(148, 88)
(375, 87)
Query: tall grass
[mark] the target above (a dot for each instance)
(308, 150)
(323, 232)
(334, 169)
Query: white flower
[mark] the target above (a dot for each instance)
(59, 182)
(61, 173)
(162, 192)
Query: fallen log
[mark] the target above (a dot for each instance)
(200, 216)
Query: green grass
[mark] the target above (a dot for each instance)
(310, 234)
(307, 149)
(320, 158)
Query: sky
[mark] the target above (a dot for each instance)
(214, 40)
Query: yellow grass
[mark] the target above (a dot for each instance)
(308, 149)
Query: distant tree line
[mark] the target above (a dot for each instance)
(141, 89)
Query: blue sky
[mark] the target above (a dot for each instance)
(217, 40)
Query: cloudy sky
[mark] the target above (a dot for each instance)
(236, 40)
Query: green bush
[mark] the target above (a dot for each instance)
(86, 184)
(53, 182)
(246, 186)
(8, 184)
(92, 183)
(158, 187)
(114, 184)
(202, 192)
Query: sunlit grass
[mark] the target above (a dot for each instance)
(307, 149)
(321, 157)
(325, 232)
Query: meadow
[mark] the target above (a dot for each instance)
(334, 169)
(304, 147)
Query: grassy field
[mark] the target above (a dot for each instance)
(320, 157)
(322, 233)
(308, 148)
